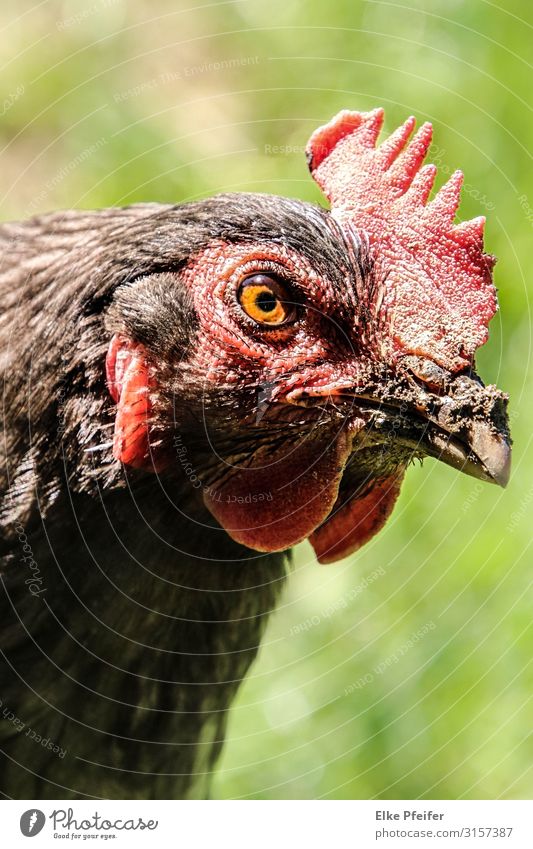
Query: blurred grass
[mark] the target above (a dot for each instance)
(119, 103)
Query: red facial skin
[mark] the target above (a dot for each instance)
(283, 497)
(435, 300)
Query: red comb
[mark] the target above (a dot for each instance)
(437, 294)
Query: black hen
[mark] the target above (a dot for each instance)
(256, 395)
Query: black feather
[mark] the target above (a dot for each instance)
(129, 617)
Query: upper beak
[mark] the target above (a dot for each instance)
(485, 454)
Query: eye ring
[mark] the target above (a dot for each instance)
(265, 299)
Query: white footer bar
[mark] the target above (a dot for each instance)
(268, 825)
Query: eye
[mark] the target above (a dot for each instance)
(266, 300)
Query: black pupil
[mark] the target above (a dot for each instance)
(266, 301)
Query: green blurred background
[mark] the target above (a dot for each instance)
(404, 671)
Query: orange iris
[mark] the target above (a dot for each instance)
(265, 300)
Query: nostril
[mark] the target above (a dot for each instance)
(432, 375)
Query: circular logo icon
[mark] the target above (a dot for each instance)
(32, 822)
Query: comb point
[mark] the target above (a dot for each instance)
(327, 137)
(371, 127)
(408, 164)
(446, 202)
(475, 227)
(393, 146)
(420, 189)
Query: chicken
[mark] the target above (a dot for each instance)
(189, 391)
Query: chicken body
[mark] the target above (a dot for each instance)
(188, 392)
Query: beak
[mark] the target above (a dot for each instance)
(464, 424)
(466, 427)
(485, 454)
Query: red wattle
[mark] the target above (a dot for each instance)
(274, 507)
(356, 522)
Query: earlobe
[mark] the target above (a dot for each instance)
(128, 384)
